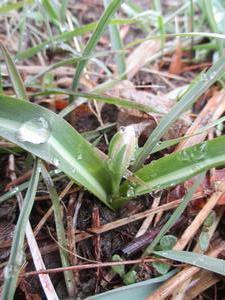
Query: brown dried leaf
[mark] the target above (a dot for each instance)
(138, 58)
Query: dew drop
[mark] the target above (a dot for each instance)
(55, 162)
(130, 192)
(36, 131)
(184, 156)
(74, 170)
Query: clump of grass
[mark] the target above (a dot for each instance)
(121, 175)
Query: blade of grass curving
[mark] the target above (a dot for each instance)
(176, 215)
(134, 291)
(173, 169)
(116, 43)
(12, 269)
(14, 75)
(68, 275)
(101, 98)
(207, 5)
(195, 91)
(56, 39)
(22, 187)
(168, 143)
(206, 262)
(48, 136)
(184, 34)
(8, 7)
(109, 12)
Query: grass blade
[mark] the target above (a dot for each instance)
(69, 278)
(14, 75)
(16, 256)
(117, 44)
(195, 91)
(174, 168)
(109, 12)
(48, 136)
(175, 216)
(101, 98)
(206, 262)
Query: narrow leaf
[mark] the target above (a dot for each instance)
(196, 90)
(212, 264)
(13, 73)
(12, 269)
(109, 12)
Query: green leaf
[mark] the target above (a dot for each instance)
(130, 277)
(121, 152)
(175, 168)
(109, 12)
(210, 219)
(167, 242)
(6, 8)
(212, 264)
(120, 269)
(175, 215)
(140, 290)
(195, 91)
(61, 235)
(15, 262)
(48, 136)
(204, 240)
(13, 73)
(101, 98)
(161, 268)
(116, 44)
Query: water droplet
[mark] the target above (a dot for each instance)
(16, 189)
(36, 131)
(55, 161)
(130, 192)
(80, 156)
(184, 156)
(57, 171)
(74, 170)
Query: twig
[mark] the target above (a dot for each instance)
(94, 266)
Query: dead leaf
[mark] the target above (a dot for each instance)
(176, 62)
(141, 54)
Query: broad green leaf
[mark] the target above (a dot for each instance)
(212, 264)
(175, 168)
(196, 90)
(109, 12)
(13, 73)
(48, 136)
(140, 290)
(15, 262)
